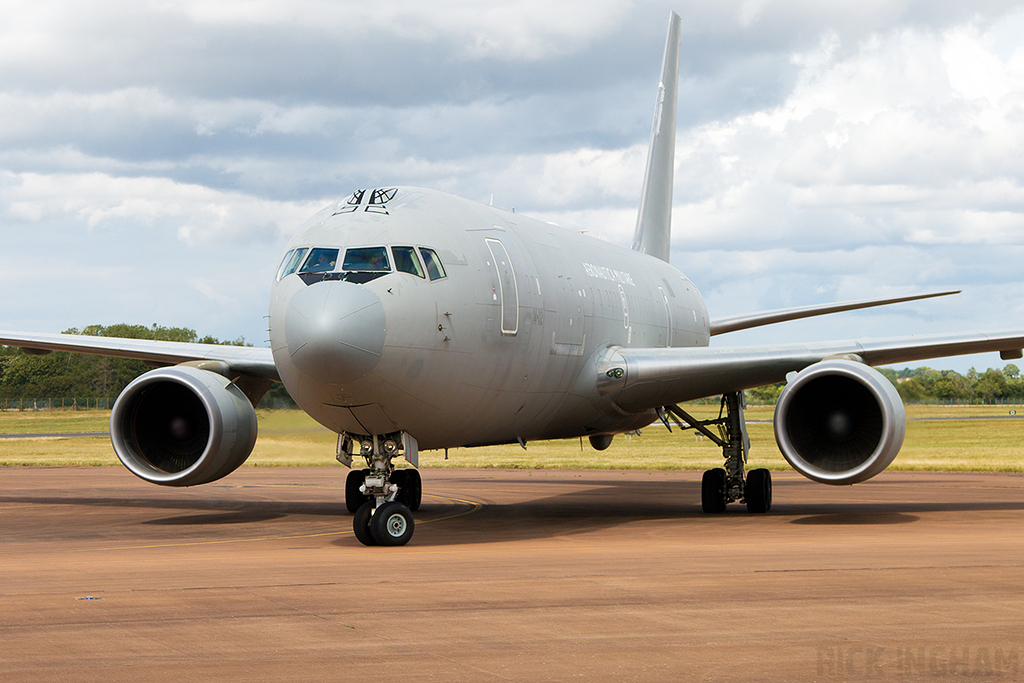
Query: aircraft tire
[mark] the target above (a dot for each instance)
(361, 524)
(354, 499)
(415, 484)
(712, 490)
(758, 491)
(392, 524)
(410, 487)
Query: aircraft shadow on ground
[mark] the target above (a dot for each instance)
(572, 514)
(602, 504)
(591, 506)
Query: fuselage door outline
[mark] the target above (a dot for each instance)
(668, 317)
(508, 289)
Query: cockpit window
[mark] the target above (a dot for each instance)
(434, 267)
(406, 261)
(366, 259)
(284, 263)
(320, 261)
(294, 262)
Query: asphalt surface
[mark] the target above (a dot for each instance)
(511, 576)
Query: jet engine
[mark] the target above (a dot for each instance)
(182, 426)
(839, 422)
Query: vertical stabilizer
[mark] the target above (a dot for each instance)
(654, 221)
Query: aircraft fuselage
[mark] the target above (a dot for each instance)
(506, 345)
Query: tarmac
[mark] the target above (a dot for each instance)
(510, 576)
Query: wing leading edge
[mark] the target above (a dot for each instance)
(662, 376)
(245, 360)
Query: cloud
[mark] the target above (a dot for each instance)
(200, 215)
(885, 144)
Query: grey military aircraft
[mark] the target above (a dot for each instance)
(403, 319)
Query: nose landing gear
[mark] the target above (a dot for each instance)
(381, 497)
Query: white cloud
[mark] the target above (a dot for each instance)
(885, 138)
(202, 215)
(518, 29)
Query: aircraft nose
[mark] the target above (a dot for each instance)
(335, 331)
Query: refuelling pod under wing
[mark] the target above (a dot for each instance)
(182, 426)
(839, 422)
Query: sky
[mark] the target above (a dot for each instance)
(156, 156)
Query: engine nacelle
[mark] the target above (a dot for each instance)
(840, 422)
(182, 426)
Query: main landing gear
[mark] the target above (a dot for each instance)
(381, 497)
(722, 486)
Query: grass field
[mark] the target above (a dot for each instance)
(291, 438)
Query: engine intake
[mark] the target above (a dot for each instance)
(182, 426)
(839, 422)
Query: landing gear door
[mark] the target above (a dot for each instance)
(508, 291)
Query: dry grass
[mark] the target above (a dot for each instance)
(30, 422)
(291, 438)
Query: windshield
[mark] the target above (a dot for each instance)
(320, 261)
(406, 261)
(366, 259)
(294, 262)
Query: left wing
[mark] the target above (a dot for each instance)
(244, 360)
(655, 377)
(745, 322)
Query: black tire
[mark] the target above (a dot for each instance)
(400, 478)
(410, 488)
(392, 524)
(353, 498)
(758, 491)
(361, 524)
(415, 484)
(712, 490)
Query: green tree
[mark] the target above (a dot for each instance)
(911, 389)
(766, 394)
(945, 388)
(991, 385)
(68, 375)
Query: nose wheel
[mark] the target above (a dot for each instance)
(391, 524)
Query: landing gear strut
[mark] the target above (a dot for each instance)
(722, 486)
(381, 497)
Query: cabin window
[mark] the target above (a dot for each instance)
(407, 262)
(320, 261)
(284, 263)
(366, 259)
(434, 267)
(293, 264)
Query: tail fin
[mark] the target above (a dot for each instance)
(654, 221)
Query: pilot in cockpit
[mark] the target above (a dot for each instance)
(325, 260)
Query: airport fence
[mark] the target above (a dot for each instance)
(73, 403)
(47, 404)
(953, 402)
(276, 403)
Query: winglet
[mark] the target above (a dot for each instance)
(654, 220)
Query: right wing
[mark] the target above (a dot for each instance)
(245, 360)
(654, 377)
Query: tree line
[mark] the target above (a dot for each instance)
(926, 384)
(77, 375)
